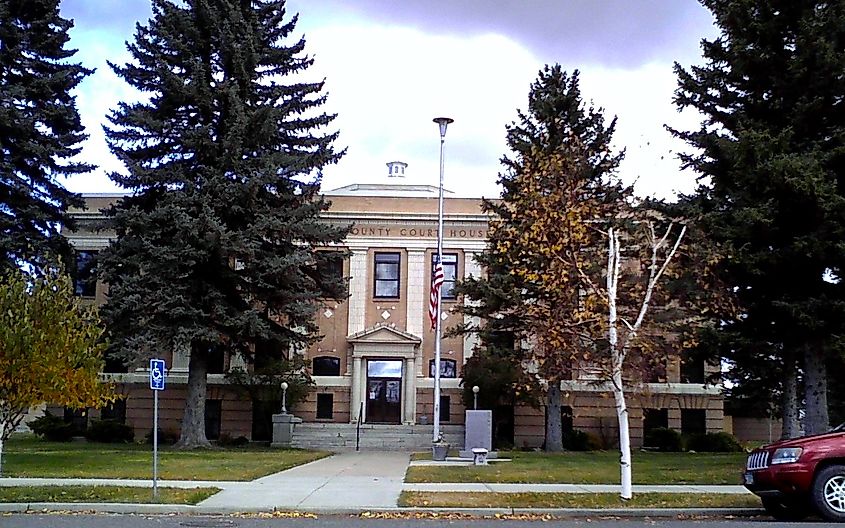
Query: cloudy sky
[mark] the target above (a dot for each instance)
(393, 65)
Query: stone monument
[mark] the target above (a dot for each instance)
(283, 425)
(478, 433)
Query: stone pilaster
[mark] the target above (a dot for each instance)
(357, 291)
(417, 290)
(357, 376)
(471, 269)
(409, 399)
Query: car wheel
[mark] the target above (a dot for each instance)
(785, 509)
(829, 493)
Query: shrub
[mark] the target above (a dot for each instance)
(52, 428)
(714, 443)
(663, 439)
(577, 440)
(228, 440)
(165, 437)
(109, 432)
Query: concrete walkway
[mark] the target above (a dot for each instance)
(360, 480)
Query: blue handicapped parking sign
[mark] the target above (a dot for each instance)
(157, 370)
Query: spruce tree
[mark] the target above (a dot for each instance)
(771, 156)
(560, 174)
(216, 246)
(40, 131)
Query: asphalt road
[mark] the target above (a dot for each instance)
(146, 521)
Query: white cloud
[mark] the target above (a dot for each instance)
(387, 83)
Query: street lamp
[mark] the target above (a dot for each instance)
(443, 122)
(475, 389)
(284, 394)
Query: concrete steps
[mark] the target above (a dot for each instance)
(340, 437)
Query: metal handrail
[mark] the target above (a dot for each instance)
(358, 428)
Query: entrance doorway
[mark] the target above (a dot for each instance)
(384, 391)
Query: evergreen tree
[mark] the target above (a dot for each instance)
(559, 176)
(216, 247)
(40, 131)
(771, 156)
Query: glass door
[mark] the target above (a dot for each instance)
(384, 391)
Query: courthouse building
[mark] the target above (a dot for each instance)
(374, 364)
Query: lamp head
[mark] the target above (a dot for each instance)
(443, 122)
(284, 385)
(475, 389)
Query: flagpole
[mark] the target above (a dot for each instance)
(443, 122)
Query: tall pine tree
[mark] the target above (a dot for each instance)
(771, 155)
(216, 247)
(40, 131)
(559, 176)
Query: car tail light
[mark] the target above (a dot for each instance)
(758, 460)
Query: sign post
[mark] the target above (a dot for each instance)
(157, 370)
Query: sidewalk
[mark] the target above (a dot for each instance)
(348, 481)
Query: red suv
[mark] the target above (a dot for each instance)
(794, 477)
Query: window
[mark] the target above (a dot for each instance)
(262, 419)
(216, 360)
(693, 421)
(448, 368)
(501, 341)
(325, 366)
(450, 274)
(268, 353)
(445, 402)
(653, 419)
(115, 411)
(213, 414)
(85, 282)
(325, 406)
(78, 418)
(387, 275)
(330, 270)
(692, 370)
(566, 421)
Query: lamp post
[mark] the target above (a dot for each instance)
(284, 394)
(442, 122)
(475, 389)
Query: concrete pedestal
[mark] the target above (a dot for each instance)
(283, 425)
(478, 433)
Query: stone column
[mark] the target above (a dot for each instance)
(417, 291)
(471, 269)
(357, 291)
(410, 394)
(355, 397)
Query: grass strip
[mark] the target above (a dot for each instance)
(424, 499)
(595, 467)
(29, 457)
(108, 494)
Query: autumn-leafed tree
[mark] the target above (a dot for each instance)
(558, 178)
(50, 347)
(217, 247)
(40, 131)
(771, 156)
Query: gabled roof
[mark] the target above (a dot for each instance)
(383, 334)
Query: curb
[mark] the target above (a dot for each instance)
(164, 509)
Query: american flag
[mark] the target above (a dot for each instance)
(434, 297)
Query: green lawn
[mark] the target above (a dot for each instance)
(601, 467)
(109, 494)
(574, 500)
(30, 457)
